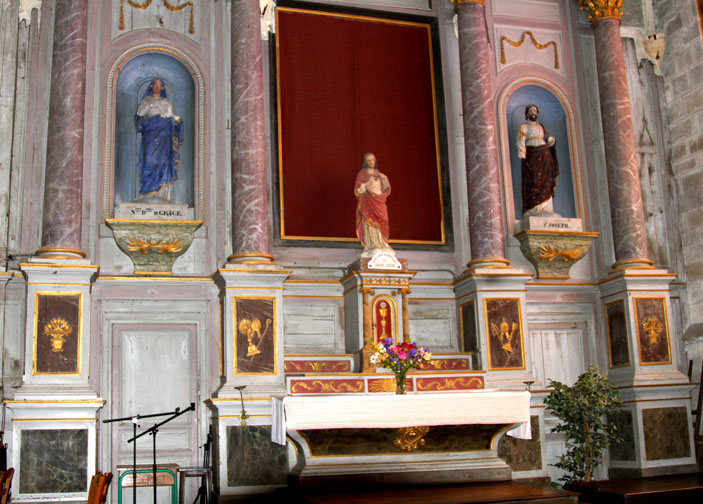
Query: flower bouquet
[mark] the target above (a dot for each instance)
(399, 358)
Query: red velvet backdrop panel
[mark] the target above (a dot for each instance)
(347, 86)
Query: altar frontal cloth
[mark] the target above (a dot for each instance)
(387, 411)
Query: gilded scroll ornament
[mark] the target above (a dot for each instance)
(551, 253)
(539, 46)
(171, 7)
(317, 367)
(460, 2)
(601, 9)
(411, 438)
(462, 383)
(332, 386)
(57, 329)
(654, 329)
(135, 243)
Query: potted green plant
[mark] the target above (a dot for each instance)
(586, 410)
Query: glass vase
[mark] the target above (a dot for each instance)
(400, 381)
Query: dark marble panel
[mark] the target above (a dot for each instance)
(619, 351)
(440, 438)
(54, 461)
(522, 454)
(469, 333)
(252, 459)
(666, 433)
(626, 449)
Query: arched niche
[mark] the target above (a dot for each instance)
(556, 114)
(128, 79)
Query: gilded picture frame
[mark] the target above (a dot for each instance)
(57, 333)
(506, 350)
(652, 330)
(254, 335)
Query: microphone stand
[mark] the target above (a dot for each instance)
(153, 430)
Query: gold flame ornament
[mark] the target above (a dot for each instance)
(57, 329)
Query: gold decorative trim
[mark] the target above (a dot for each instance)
(539, 46)
(601, 9)
(520, 328)
(487, 260)
(302, 387)
(632, 261)
(663, 327)
(411, 438)
(440, 185)
(154, 221)
(51, 250)
(393, 316)
(250, 254)
(272, 325)
(457, 3)
(58, 401)
(79, 336)
(169, 6)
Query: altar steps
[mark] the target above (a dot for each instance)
(680, 488)
(493, 493)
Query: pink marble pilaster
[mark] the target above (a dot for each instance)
(483, 179)
(250, 225)
(64, 152)
(626, 209)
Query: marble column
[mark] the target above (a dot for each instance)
(486, 230)
(61, 236)
(250, 224)
(626, 209)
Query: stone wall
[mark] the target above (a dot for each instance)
(682, 68)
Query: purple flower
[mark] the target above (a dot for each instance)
(412, 352)
(388, 341)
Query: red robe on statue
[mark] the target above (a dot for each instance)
(371, 209)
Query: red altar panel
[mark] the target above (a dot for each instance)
(348, 85)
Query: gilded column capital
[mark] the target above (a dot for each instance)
(601, 9)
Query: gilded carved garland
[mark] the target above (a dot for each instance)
(601, 9)
(146, 3)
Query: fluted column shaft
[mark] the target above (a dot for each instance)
(250, 225)
(626, 209)
(483, 178)
(64, 153)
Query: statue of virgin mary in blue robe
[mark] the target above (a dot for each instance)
(162, 136)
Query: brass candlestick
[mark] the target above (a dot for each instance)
(243, 415)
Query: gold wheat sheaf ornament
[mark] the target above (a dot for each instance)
(57, 329)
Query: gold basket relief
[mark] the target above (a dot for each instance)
(57, 329)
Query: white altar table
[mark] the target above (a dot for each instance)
(378, 411)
